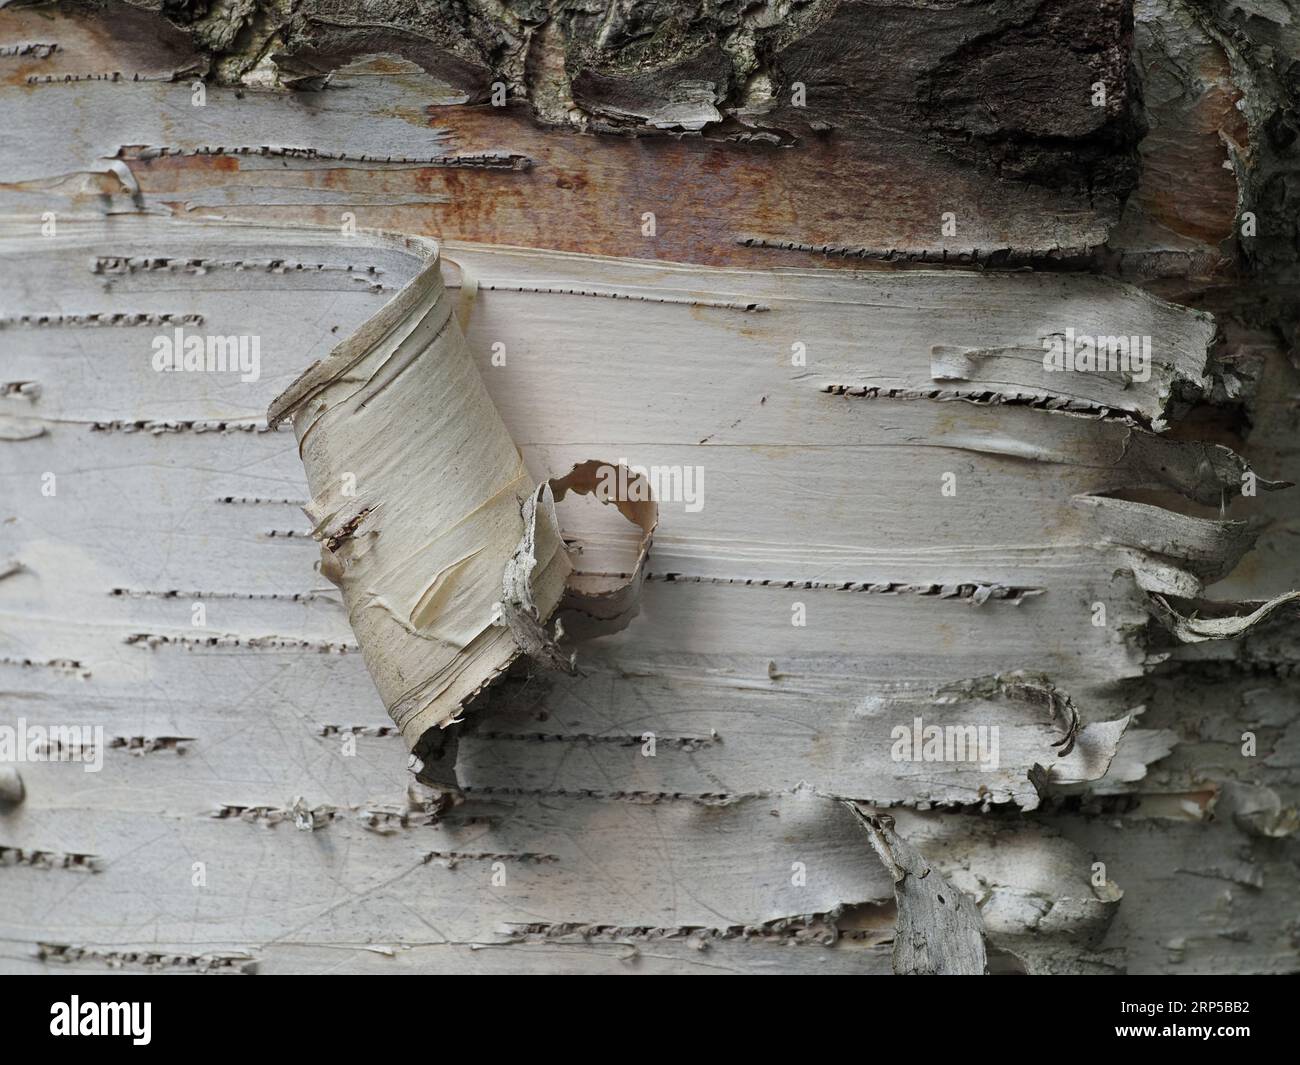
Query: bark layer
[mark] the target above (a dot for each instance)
(1142, 814)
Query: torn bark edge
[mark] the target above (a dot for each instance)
(939, 931)
(595, 613)
(518, 608)
(350, 351)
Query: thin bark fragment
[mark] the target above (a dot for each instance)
(939, 931)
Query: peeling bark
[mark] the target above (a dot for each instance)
(676, 805)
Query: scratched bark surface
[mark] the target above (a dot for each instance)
(677, 805)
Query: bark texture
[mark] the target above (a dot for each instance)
(814, 250)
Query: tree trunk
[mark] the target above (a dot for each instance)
(927, 593)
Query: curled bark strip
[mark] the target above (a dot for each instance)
(1036, 690)
(1193, 629)
(1204, 550)
(584, 612)
(416, 493)
(592, 610)
(939, 930)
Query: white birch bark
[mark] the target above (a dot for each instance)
(677, 805)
